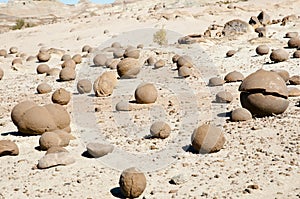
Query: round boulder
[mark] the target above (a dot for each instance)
(43, 56)
(160, 130)
(128, 68)
(84, 86)
(146, 93)
(132, 182)
(207, 139)
(224, 97)
(279, 55)
(105, 84)
(43, 88)
(262, 49)
(67, 74)
(240, 114)
(61, 96)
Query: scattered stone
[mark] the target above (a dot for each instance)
(291, 34)
(43, 56)
(43, 88)
(208, 139)
(296, 54)
(132, 52)
(160, 130)
(8, 147)
(3, 52)
(262, 49)
(84, 86)
(16, 61)
(234, 76)
(99, 60)
(69, 63)
(254, 22)
(77, 58)
(240, 114)
(67, 74)
(105, 84)
(123, 106)
(184, 60)
(216, 81)
(55, 159)
(230, 53)
(98, 150)
(184, 71)
(42, 68)
(279, 55)
(295, 80)
(253, 186)
(262, 31)
(85, 48)
(294, 92)
(132, 182)
(128, 68)
(66, 57)
(61, 96)
(55, 138)
(224, 97)
(294, 42)
(179, 179)
(53, 72)
(264, 18)
(13, 50)
(146, 93)
(150, 61)
(264, 93)
(159, 64)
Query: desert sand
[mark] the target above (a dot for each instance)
(260, 158)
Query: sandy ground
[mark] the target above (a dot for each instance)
(262, 151)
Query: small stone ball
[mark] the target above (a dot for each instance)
(43, 56)
(43, 88)
(240, 114)
(65, 57)
(84, 86)
(69, 63)
(67, 74)
(262, 50)
(207, 139)
(224, 97)
(296, 54)
(234, 76)
(99, 60)
(159, 64)
(215, 81)
(42, 68)
(61, 96)
(146, 93)
(279, 55)
(230, 53)
(294, 42)
(160, 130)
(77, 58)
(13, 50)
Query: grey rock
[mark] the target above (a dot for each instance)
(98, 150)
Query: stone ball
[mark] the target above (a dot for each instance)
(99, 60)
(230, 53)
(279, 55)
(294, 42)
(294, 92)
(184, 71)
(296, 54)
(3, 52)
(53, 72)
(43, 88)
(150, 61)
(146, 93)
(224, 97)
(123, 106)
(105, 84)
(13, 50)
(60, 116)
(84, 86)
(128, 68)
(159, 64)
(175, 58)
(291, 34)
(69, 63)
(61, 96)
(118, 53)
(67, 74)
(132, 182)
(264, 93)
(132, 52)
(77, 58)
(295, 80)
(262, 49)
(207, 139)
(16, 61)
(234, 76)
(116, 45)
(49, 139)
(160, 130)
(240, 114)
(43, 56)
(216, 81)
(85, 48)
(42, 68)
(8, 147)
(184, 60)
(65, 57)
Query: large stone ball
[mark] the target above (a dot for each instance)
(146, 93)
(207, 139)
(279, 55)
(264, 93)
(128, 68)
(132, 182)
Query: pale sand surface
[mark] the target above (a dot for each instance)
(262, 151)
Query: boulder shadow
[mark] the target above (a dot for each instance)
(189, 148)
(224, 114)
(116, 192)
(16, 133)
(86, 155)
